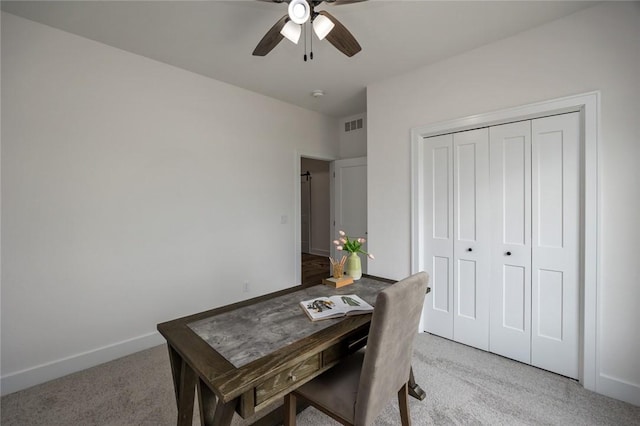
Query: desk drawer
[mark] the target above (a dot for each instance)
(283, 380)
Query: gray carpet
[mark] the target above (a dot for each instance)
(463, 386)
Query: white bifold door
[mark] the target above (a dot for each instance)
(459, 247)
(502, 239)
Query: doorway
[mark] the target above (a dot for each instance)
(315, 218)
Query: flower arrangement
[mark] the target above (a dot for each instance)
(352, 245)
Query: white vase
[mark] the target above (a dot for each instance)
(354, 268)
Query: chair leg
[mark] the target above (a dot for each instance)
(403, 403)
(289, 409)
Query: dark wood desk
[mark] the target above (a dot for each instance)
(251, 375)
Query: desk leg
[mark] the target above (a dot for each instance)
(414, 389)
(184, 383)
(176, 371)
(224, 413)
(207, 404)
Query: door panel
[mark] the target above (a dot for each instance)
(467, 289)
(440, 284)
(550, 309)
(472, 238)
(514, 288)
(466, 187)
(510, 299)
(549, 159)
(438, 234)
(555, 248)
(515, 180)
(441, 189)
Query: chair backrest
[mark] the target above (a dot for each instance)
(387, 360)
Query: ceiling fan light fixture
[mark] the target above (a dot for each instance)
(291, 31)
(299, 11)
(322, 26)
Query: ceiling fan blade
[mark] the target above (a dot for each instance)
(341, 38)
(271, 38)
(339, 2)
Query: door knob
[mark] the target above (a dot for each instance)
(508, 253)
(469, 249)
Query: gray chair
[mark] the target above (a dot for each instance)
(355, 391)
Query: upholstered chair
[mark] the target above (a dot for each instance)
(356, 390)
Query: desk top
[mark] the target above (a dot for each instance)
(250, 332)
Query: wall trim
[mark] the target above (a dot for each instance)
(618, 389)
(320, 252)
(26, 378)
(588, 104)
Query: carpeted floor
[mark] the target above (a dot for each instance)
(463, 386)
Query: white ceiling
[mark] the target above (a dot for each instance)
(216, 39)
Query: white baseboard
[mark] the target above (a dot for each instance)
(26, 378)
(606, 385)
(618, 389)
(319, 252)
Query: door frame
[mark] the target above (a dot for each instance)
(588, 104)
(297, 213)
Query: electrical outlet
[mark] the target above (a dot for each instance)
(245, 287)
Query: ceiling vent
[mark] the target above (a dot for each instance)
(350, 126)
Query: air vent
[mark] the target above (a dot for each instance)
(350, 126)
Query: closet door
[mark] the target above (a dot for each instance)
(555, 243)
(471, 245)
(510, 322)
(438, 234)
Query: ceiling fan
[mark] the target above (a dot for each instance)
(324, 25)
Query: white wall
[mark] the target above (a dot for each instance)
(595, 49)
(129, 197)
(320, 205)
(353, 143)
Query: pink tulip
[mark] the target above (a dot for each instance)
(343, 240)
(362, 240)
(336, 242)
(342, 233)
(339, 248)
(370, 256)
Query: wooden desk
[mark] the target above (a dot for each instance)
(253, 375)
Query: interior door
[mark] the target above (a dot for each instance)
(350, 201)
(510, 293)
(471, 245)
(438, 234)
(555, 243)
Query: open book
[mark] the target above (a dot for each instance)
(335, 306)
